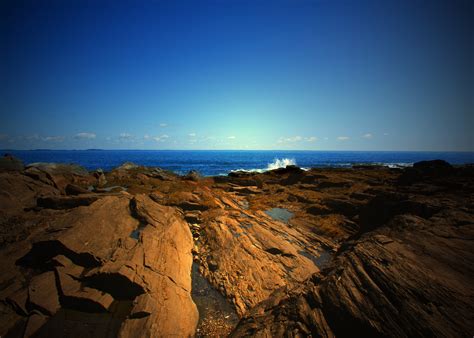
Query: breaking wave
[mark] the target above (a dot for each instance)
(277, 163)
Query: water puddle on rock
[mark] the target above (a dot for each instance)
(115, 188)
(135, 234)
(320, 261)
(217, 317)
(279, 214)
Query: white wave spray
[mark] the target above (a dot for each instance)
(277, 163)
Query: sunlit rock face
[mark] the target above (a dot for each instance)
(141, 251)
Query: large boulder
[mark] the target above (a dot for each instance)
(134, 286)
(424, 170)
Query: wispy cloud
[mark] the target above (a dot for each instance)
(192, 134)
(368, 135)
(231, 137)
(160, 138)
(292, 139)
(125, 136)
(311, 139)
(34, 137)
(162, 125)
(53, 138)
(385, 134)
(85, 136)
(343, 138)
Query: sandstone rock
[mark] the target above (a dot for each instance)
(127, 166)
(101, 179)
(76, 296)
(59, 168)
(386, 282)
(248, 190)
(193, 216)
(34, 323)
(72, 189)
(42, 294)
(18, 192)
(193, 175)
(360, 256)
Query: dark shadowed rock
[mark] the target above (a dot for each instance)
(424, 170)
(72, 189)
(76, 296)
(287, 170)
(42, 294)
(10, 163)
(436, 167)
(62, 202)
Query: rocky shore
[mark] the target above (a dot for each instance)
(143, 252)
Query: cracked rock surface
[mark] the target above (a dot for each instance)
(142, 252)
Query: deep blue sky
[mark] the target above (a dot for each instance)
(330, 75)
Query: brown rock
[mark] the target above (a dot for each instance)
(42, 294)
(34, 324)
(72, 189)
(60, 202)
(76, 296)
(360, 256)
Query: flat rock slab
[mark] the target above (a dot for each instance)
(76, 296)
(43, 295)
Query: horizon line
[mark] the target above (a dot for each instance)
(274, 150)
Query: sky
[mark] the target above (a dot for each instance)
(308, 75)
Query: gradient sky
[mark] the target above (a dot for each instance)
(323, 75)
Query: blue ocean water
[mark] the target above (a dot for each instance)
(217, 162)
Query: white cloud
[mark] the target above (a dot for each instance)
(311, 139)
(162, 125)
(33, 137)
(343, 138)
(289, 139)
(125, 136)
(231, 137)
(85, 136)
(368, 135)
(192, 134)
(53, 138)
(161, 138)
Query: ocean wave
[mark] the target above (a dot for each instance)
(276, 164)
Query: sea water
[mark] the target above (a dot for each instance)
(221, 162)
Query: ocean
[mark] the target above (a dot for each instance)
(221, 162)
